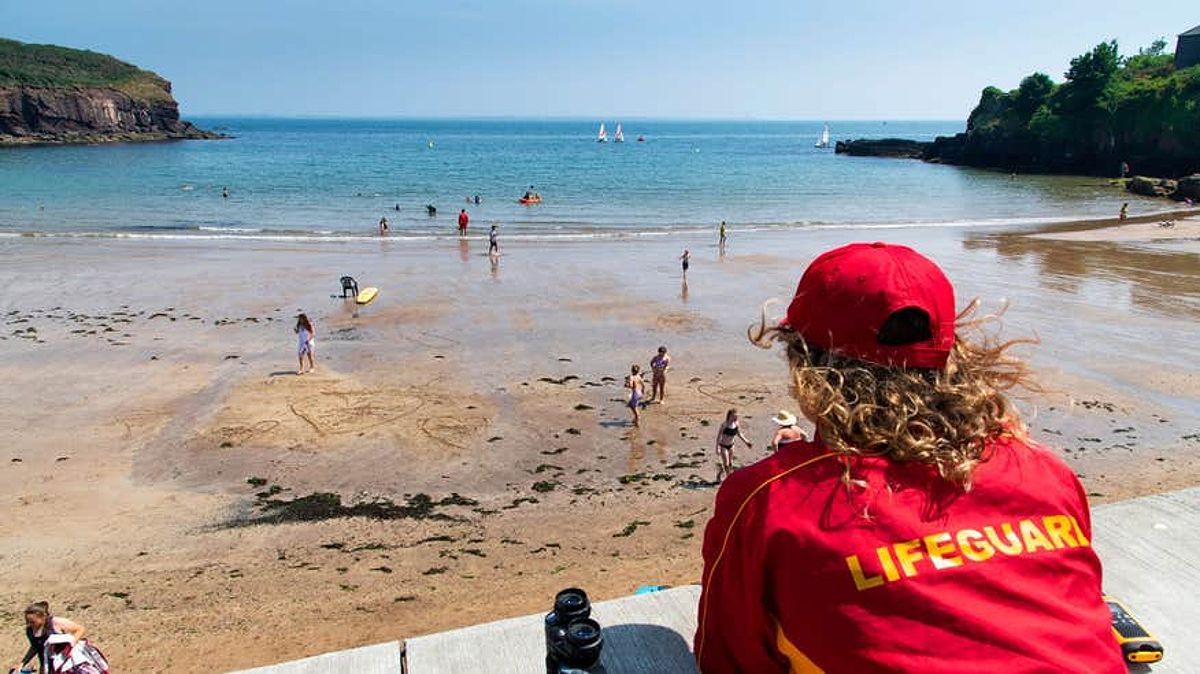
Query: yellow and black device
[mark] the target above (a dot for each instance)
(1137, 644)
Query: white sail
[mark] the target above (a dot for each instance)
(824, 142)
(603, 135)
(620, 136)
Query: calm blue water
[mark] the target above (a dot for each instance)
(337, 177)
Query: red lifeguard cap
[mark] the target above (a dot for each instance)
(847, 295)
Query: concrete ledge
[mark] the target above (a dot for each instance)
(377, 659)
(1150, 549)
(643, 633)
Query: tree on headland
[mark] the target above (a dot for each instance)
(1108, 109)
(1032, 94)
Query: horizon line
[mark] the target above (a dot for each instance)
(558, 118)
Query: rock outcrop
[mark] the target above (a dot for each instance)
(1151, 187)
(882, 147)
(1188, 187)
(88, 115)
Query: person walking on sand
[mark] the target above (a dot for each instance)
(39, 626)
(306, 342)
(659, 365)
(787, 431)
(493, 241)
(637, 389)
(721, 240)
(463, 220)
(1124, 212)
(383, 226)
(921, 529)
(685, 259)
(729, 433)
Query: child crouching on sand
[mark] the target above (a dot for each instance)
(920, 530)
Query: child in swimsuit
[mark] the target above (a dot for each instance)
(635, 385)
(306, 339)
(729, 433)
(659, 365)
(685, 258)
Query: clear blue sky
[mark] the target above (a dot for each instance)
(594, 59)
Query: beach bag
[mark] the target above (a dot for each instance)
(64, 655)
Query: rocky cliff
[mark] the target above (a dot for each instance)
(1113, 115)
(55, 95)
(52, 115)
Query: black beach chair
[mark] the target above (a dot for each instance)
(348, 283)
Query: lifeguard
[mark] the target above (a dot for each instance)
(921, 530)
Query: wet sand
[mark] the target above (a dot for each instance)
(462, 450)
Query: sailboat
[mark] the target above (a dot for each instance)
(824, 142)
(602, 137)
(620, 136)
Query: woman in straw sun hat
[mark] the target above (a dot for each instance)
(787, 431)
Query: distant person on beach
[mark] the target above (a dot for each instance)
(225, 192)
(493, 241)
(727, 434)
(787, 431)
(477, 200)
(685, 259)
(1124, 212)
(397, 207)
(431, 210)
(659, 365)
(383, 226)
(721, 240)
(463, 220)
(306, 342)
(920, 530)
(39, 625)
(637, 389)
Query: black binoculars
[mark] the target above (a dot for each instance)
(573, 639)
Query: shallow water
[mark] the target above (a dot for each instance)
(336, 178)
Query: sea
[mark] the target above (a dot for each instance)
(335, 178)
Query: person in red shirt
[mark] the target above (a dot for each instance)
(920, 530)
(463, 219)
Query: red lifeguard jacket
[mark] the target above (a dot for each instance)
(901, 571)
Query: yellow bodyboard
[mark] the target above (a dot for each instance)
(366, 296)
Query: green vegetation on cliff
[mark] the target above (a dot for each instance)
(41, 65)
(1110, 109)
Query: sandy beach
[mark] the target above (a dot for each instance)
(462, 450)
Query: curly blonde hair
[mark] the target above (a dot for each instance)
(942, 418)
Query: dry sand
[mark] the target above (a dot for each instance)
(157, 443)
(1180, 232)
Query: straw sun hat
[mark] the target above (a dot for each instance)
(784, 418)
